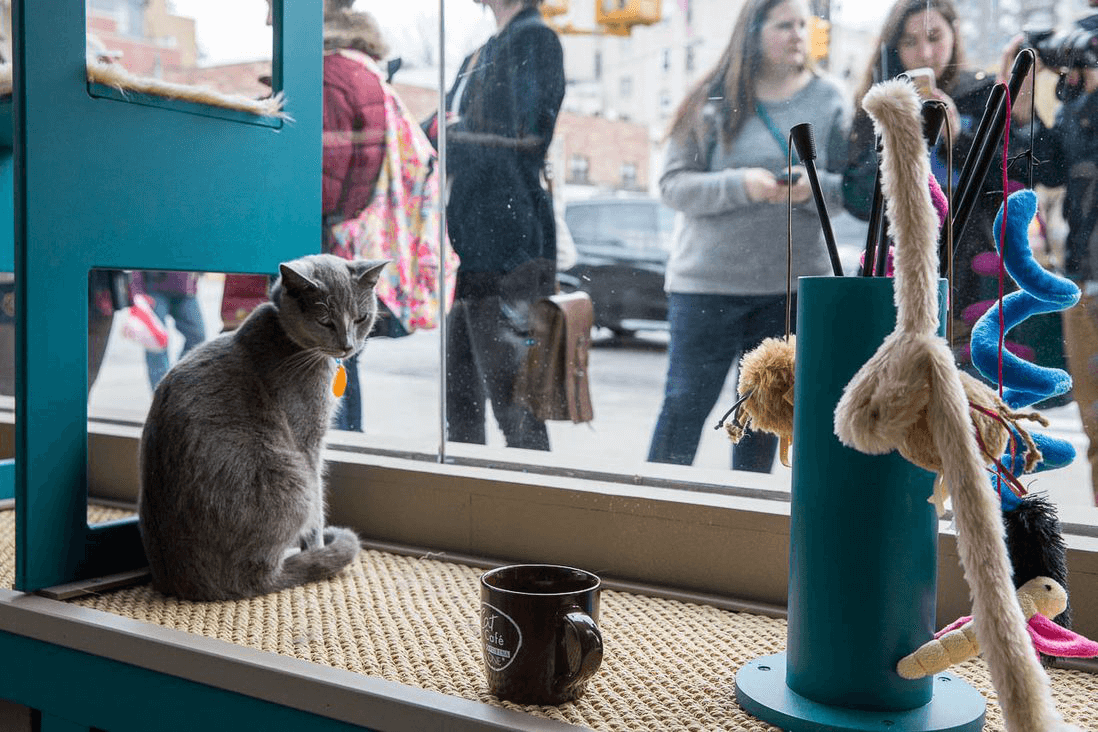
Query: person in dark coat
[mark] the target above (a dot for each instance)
(1069, 155)
(502, 112)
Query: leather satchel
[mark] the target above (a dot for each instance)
(553, 382)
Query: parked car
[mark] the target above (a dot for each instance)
(621, 255)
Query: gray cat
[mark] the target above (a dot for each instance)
(232, 490)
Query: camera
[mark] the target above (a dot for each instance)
(1071, 49)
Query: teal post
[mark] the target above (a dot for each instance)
(7, 479)
(117, 181)
(863, 549)
(50, 723)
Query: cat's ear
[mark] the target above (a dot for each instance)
(296, 281)
(367, 271)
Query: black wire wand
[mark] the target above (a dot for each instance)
(806, 150)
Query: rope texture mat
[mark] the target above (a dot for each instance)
(668, 665)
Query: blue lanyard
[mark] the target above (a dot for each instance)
(783, 143)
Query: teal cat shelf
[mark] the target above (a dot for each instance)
(106, 182)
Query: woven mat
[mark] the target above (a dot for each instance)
(668, 665)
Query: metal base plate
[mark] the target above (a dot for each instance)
(762, 692)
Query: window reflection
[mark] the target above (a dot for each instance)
(631, 66)
(224, 47)
(608, 141)
(143, 322)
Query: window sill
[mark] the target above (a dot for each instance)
(634, 528)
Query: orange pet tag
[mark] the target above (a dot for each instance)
(339, 384)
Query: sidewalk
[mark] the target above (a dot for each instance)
(400, 381)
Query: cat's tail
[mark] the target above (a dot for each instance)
(312, 565)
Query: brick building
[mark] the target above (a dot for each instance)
(588, 150)
(142, 35)
(591, 150)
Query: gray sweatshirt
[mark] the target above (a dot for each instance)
(727, 245)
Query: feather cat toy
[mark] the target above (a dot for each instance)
(766, 394)
(911, 397)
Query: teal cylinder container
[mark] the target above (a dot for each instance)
(863, 539)
(863, 548)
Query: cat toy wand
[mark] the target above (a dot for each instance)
(806, 150)
(876, 245)
(873, 234)
(985, 143)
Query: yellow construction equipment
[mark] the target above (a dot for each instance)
(612, 17)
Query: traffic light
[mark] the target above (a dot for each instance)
(612, 17)
(550, 8)
(624, 14)
(819, 36)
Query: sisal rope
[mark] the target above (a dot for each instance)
(668, 665)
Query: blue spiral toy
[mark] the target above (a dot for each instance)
(1040, 291)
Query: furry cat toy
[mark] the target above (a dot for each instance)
(232, 494)
(1041, 599)
(766, 393)
(911, 393)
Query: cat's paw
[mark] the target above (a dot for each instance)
(341, 537)
(312, 539)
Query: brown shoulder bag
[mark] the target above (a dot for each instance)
(553, 381)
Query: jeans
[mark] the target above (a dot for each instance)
(349, 415)
(709, 334)
(483, 354)
(188, 321)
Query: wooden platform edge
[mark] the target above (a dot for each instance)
(312, 688)
(96, 586)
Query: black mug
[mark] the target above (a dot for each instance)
(538, 627)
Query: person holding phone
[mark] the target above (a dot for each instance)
(922, 40)
(726, 275)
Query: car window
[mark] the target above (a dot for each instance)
(635, 216)
(638, 225)
(583, 222)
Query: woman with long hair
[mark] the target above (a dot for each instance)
(925, 34)
(724, 172)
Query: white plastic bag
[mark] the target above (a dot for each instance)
(142, 326)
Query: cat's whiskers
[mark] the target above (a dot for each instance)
(302, 361)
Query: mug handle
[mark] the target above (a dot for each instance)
(582, 649)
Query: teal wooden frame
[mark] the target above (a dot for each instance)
(92, 696)
(85, 669)
(103, 183)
